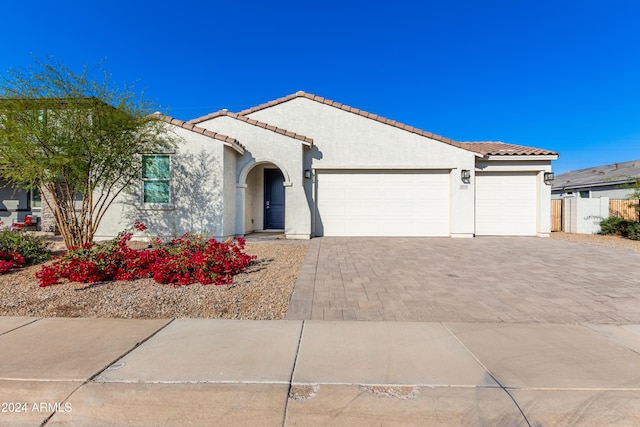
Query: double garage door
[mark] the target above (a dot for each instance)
(382, 203)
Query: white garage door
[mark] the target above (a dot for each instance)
(382, 203)
(506, 204)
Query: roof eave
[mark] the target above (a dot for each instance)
(573, 186)
(305, 140)
(238, 149)
(502, 157)
(226, 140)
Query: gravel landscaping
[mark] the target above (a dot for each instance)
(262, 292)
(599, 240)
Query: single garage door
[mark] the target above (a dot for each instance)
(382, 203)
(506, 204)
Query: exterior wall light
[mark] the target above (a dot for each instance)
(548, 177)
(465, 175)
(307, 173)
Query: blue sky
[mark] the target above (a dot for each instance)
(561, 75)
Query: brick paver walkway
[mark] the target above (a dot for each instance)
(488, 279)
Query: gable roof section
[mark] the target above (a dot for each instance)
(353, 110)
(502, 149)
(305, 140)
(616, 173)
(479, 148)
(227, 140)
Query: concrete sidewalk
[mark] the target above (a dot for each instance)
(274, 373)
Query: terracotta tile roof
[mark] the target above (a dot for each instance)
(481, 148)
(502, 149)
(353, 110)
(231, 142)
(306, 140)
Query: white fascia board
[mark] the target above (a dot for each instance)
(521, 157)
(236, 147)
(383, 167)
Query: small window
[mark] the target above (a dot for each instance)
(36, 198)
(156, 178)
(584, 194)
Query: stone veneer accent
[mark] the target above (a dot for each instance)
(47, 217)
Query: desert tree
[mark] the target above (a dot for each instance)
(76, 137)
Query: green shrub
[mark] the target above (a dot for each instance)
(614, 225)
(34, 249)
(633, 231)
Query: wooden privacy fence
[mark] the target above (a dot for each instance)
(624, 208)
(556, 215)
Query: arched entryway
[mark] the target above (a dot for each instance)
(262, 197)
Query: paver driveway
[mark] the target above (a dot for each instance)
(486, 279)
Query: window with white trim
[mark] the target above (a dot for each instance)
(156, 179)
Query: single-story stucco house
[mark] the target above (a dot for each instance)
(610, 181)
(309, 166)
(314, 167)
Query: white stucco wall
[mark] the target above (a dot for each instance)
(583, 216)
(229, 192)
(343, 140)
(254, 199)
(198, 165)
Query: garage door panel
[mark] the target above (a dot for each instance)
(362, 196)
(506, 204)
(358, 212)
(398, 211)
(398, 229)
(383, 203)
(399, 195)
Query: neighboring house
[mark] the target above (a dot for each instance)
(16, 203)
(313, 167)
(610, 181)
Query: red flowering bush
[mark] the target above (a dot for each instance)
(183, 261)
(9, 260)
(193, 258)
(19, 248)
